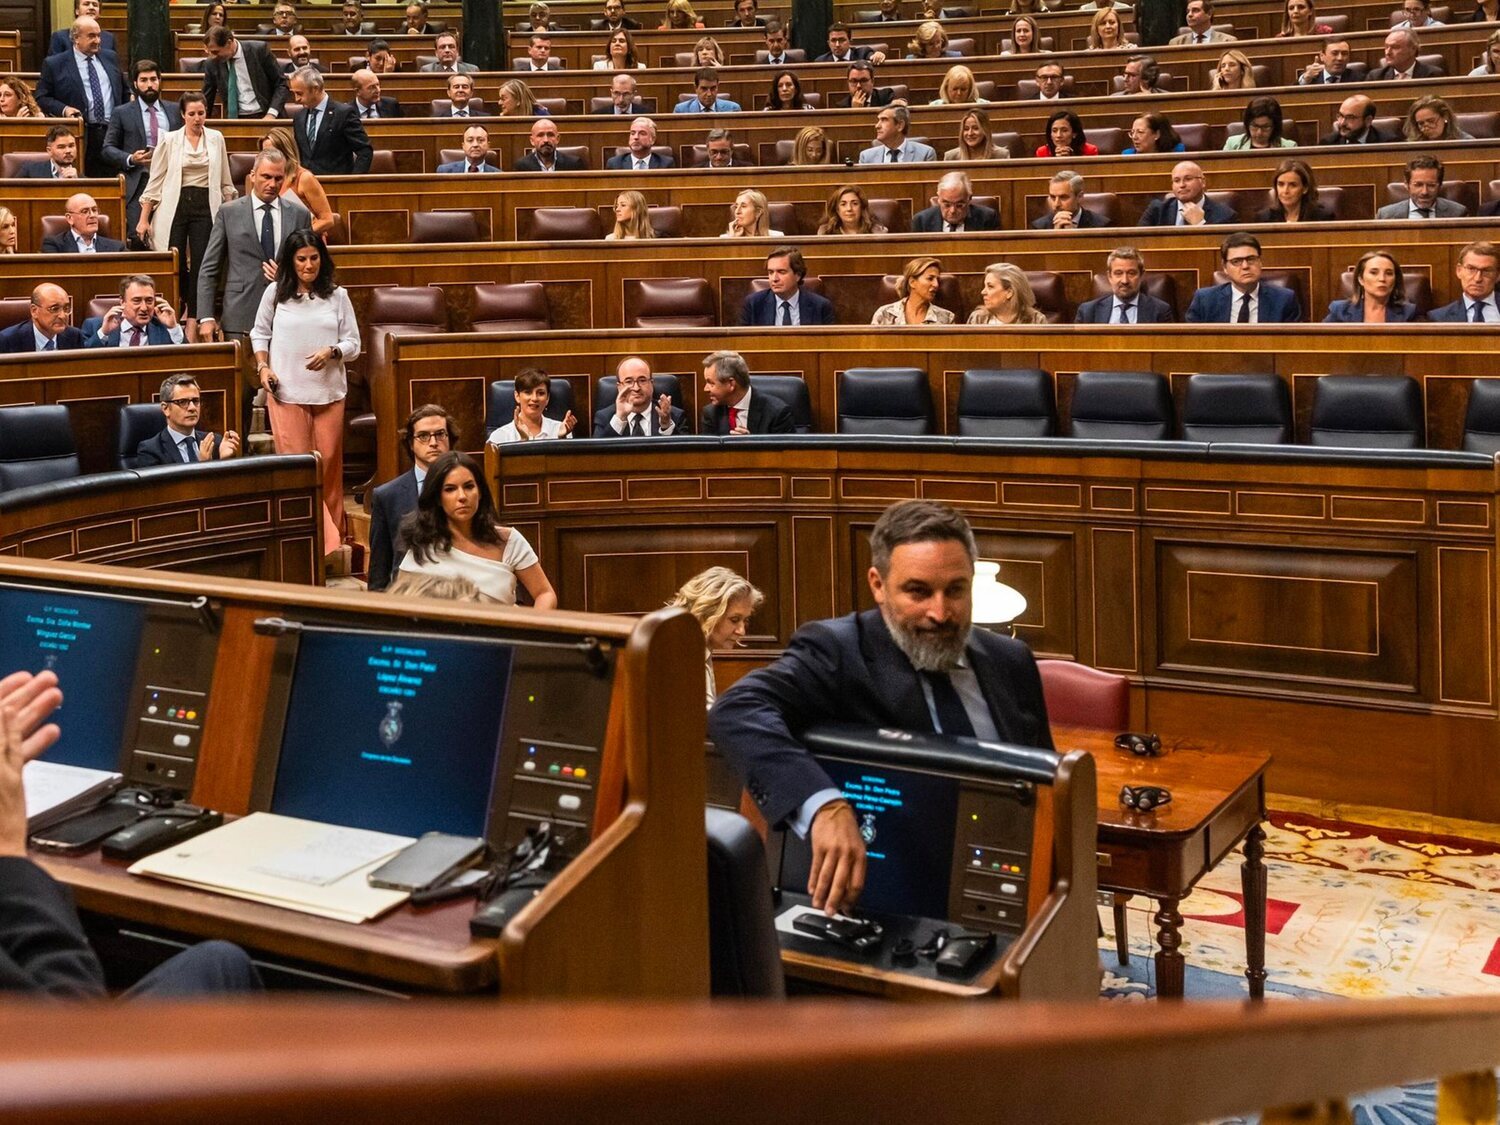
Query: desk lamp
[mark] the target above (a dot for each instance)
(995, 603)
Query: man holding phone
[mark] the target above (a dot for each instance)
(133, 132)
(143, 317)
(43, 949)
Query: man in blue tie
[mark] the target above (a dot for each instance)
(1478, 269)
(1125, 272)
(48, 329)
(784, 302)
(84, 83)
(476, 153)
(181, 442)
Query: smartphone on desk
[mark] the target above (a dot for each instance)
(433, 859)
(82, 832)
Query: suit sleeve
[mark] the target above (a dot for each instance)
(45, 95)
(275, 82)
(780, 421)
(747, 312)
(1198, 311)
(43, 949)
(149, 453)
(114, 138)
(212, 264)
(211, 88)
(380, 544)
(359, 143)
(825, 312)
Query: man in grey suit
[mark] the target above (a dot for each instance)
(447, 61)
(241, 258)
(892, 145)
(135, 129)
(1424, 185)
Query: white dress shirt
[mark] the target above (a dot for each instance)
(257, 216)
(249, 101)
(622, 425)
(1135, 310)
(1237, 299)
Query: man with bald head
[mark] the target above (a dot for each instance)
(82, 235)
(299, 54)
(1186, 205)
(85, 83)
(368, 102)
(62, 39)
(640, 158)
(622, 99)
(634, 413)
(544, 155)
(1401, 63)
(48, 329)
(1354, 123)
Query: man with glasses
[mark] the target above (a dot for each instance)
(1418, 14)
(953, 210)
(633, 413)
(82, 235)
(1478, 270)
(1187, 204)
(622, 99)
(182, 442)
(1049, 82)
(1354, 123)
(141, 318)
(615, 18)
(48, 329)
(430, 431)
(1243, 299)
(84, 83)
(862, 88)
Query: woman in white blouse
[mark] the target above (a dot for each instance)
(189, 180)
(533, 390)
(723, 603)
(454, 534)
(304, 334)
(621, 53)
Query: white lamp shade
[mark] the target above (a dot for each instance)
(994, 602)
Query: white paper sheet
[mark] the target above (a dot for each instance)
(329, 856)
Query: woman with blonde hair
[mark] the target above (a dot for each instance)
(750, 217)
(929, 42)
(517, 100)
(10, 233)
(680, 16)
(848, 212)
(1490, 62)
(1105, 33)
(1430, 118)
(723, 604)
(811, 146)
(916, 291)
(975, 141)
(16, 99)
(1006, 298)
(1026, 8)
(707, 52)
(632, 218)
(301, 184)
(958, 88)
(1234, 72)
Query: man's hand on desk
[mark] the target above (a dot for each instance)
(25, 700)
(838, 858)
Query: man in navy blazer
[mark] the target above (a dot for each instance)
(786, 302)
(642, 138)
(180, 441)
(913, 663)
(85, 83)
(82, 235)
(1065, 209)
(952, 210)
(47, 330)
(62, 157)
(339, 145)
(476, 146)
(633, 414)
(429, 433)
(141, 318)
(1125, 270)
(1478, 265)
(1188, 199)
(733, 409)
(62, 39)
(1243, 299)
(135, 128)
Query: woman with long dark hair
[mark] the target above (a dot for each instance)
(1379, 293)
(304, 335)
(786, 92)
(1065, 137)
(455, 533)
(1294, 196)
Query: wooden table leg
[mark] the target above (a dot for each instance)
(1122, 939)
(1169, 963)
(1253, 885)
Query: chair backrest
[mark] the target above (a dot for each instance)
(1080, 696)
(500, 403)
(383, 162)
(12, 162)
(1196, 136)
(1122, 406)
(444, 226)
(36, 446)
(1482, 125)
(1482, 419)
(638, 107)
(56, 224)
(443, 107)
(99, 305)
(791, 390)
(669, 302)
(793, 55)
(1051, 293)
(240, 164)
(1027, 88)
(1367, 412)
(450, 155)
(782, 217)
(1416, 287)
(565, 224)
(13, 310)
(1006, 402)
(1239, 408)
(1110, 140)
(887, 212)
(1162, 286)
(608, 387)
(418, 308)
(518, 306)
(744, 952)
(139, 421)
(885, 400)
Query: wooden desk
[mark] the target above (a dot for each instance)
(1218, 799)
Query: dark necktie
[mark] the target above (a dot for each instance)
(51, 345)
(369, 112)
(150, 127)
(96, 94)
(952, 717)
(1425, 212)
(1125, 311)
(312, 127)
(1477, 313)
(1244, 317)
(786, 313)
(636, 429)
(893, 156)
(135, 335)
(267, 234)
(461, 112)
(190, 447)
(473, 167)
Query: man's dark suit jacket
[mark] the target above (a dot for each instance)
(624, 162)
(762, 308)
(1371, 136)
(880, 96)
(127, 134)
(854, 53)
(43, 949)
(61, 86)
(680, 424)
(393, 501)
(38, 170)
(1214, 304)
(265, 76)
(385, 107)
(156, 333)
(849, 670)
(62, 243)
(930, 219)
(342, 147)
(20, 338)
(62, 41)
(566, 162)
(161, 448)
(768, 415)
(625, 21)
(1457, 312)
(1148, 310)
(1419, 70)
(1163, 213)
(1490, 209)
(1085, 219)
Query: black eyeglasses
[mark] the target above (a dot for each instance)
(184, 402)
(1142, 745)
(1144, 798)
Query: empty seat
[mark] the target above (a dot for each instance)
(139, 421)
(1006, 403)
(1110, 140)
(36, 446)
(885, 400)
(500, 404)
(565, 224)
(791, 390)
(13, 310)
(12, 162)
(240, 164)
(383, 162)
(1482, 125)
(744, 952)
(1051, 294)
(444, 226)
(1122, 406)
(1080, 696)
(1238, 408)
(608, 387)
(669, 302)
(1367, 412)
(887, 212)
(519, 306)
(1482, 420)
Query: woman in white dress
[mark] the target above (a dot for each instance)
(723, 603)
(454, 534)
(533, 393)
